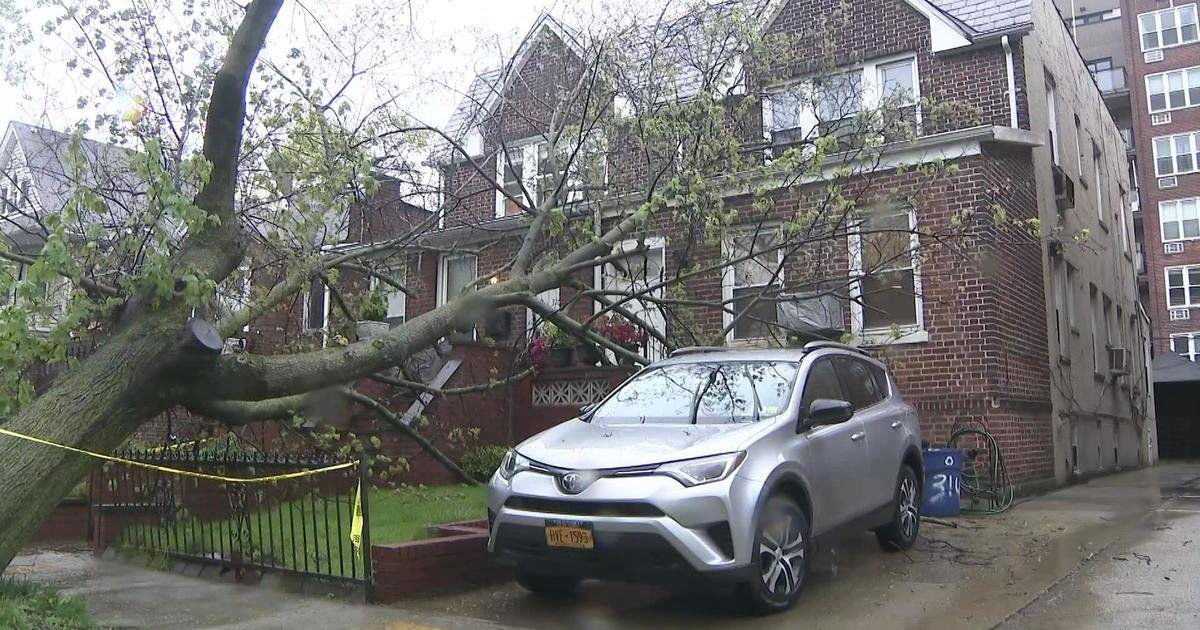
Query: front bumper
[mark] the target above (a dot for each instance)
(645, 527)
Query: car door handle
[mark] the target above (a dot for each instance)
(897, 424)
(857, 436)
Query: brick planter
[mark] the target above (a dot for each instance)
(456, 557)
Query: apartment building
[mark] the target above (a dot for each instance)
(1164, 60)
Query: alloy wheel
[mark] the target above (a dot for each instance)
(908, 507)
(781, 556)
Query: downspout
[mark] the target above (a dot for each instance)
(1012, 82)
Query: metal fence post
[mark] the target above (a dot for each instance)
(364, 481)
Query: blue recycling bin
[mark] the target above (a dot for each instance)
(943, 481)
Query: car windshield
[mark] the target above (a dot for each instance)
(701, 393)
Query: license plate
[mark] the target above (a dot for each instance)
(569, 534)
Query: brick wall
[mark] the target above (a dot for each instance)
(1182, 121)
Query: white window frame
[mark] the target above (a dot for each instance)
(1193, 140)
(534, 322)
(1063, 304)
(1188, 270)
(1157, 16)
(1097, 156)
(654, 349)
(388, 291)
(323, 330)
(530, 150)
(1052, 118)
(912, 333)
(1193, 342)
(728, 285)
(443, 264)
(872, 92)
(527, 149)
(1185, 76)
(1178, 203)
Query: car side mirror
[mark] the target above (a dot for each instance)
(823, 412)
(586, 409)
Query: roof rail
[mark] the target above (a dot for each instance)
(817, 345)
(679, 352)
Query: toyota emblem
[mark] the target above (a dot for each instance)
(573, 483)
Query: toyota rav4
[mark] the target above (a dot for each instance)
(727, 465)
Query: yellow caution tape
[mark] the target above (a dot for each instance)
(186, 473)
(356, 523)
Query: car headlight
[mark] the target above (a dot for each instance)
(512, 464)
(693, 472)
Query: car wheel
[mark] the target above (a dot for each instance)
(901, 532)
(545, 585)
(782, 549)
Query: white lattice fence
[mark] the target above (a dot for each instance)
(569, 393)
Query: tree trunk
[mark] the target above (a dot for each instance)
(95, 406)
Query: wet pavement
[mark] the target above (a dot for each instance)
(1119, 551)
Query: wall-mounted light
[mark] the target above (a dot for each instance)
(494, 280)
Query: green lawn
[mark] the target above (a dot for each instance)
(28, 606)
(274, 536)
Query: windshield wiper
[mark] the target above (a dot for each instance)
(712, 377)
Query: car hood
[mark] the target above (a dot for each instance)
(580, 445)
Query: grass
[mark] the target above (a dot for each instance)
(29, 606)
(274, 536)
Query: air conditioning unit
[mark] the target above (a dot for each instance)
(1180, 314)
(1064, 189)
(1168, 182)
(1173, 248)
(1118, 361)
(1153, 56)
(1161, 118)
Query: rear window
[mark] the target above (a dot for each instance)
(701, 393)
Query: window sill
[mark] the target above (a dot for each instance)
(886, 338)
(1182, 240)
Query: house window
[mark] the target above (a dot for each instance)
(1094, 315)
(883, 254)
(534, 322)
(1183, 286)
(1063, 317)
(1052, 117)
(397, 301)
(1186, 345)
(753, 283)
(829, 105)
(1180, 219)
(1168, 27)
(528, 165)
(1079, 146)
(457, 274)
(1176, 155)
(315, 317)
(1176, 89)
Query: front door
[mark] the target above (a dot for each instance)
(636, 274)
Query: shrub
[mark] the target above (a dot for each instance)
(374, 308)
(481, 462)
(29, 605)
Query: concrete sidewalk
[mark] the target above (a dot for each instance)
(1015, 568)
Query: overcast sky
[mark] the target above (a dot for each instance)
(456, 38)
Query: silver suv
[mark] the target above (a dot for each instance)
(720, 464)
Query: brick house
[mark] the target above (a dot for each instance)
(1038, 338)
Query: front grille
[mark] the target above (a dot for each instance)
(582, 508)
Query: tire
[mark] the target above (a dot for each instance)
(782, 551)
(545, 585)
(901, 533)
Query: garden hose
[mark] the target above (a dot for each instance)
(985, 486)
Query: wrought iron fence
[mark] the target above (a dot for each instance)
(299, 526)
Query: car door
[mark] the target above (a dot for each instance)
(879, 420)
(835, 456)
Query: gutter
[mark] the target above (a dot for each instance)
(1012, 81)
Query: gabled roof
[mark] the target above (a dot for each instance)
(107, 170)
(1172, 368)
(987, 16)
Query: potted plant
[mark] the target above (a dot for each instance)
(559, 346)
(624, 333)
(372, 315)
